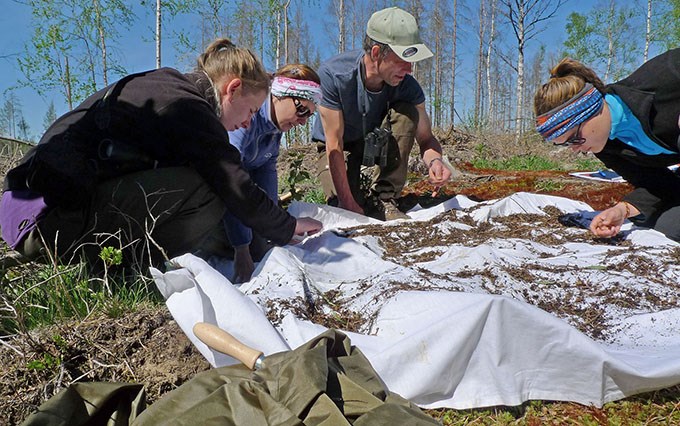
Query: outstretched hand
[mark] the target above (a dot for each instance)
(305, 226)
(608, 223)
(439, 174)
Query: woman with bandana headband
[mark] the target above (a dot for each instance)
(632, 126)
(295, 92)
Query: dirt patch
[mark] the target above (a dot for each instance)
(482, 185)
(146, 346)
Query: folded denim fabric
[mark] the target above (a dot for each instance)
(578, 219)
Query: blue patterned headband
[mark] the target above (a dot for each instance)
(570, 114)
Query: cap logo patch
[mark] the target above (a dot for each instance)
(407, 53)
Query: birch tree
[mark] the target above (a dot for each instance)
(301, 51)
(666, 24)
(359, 14)
(648, 30)
(45, 62)
(481, 36)
(213, 23)
(527, 19)
(437, 31)
(105, 19)
(96, 25)
(415, 8)
(68, 37)
(489, 49)
(159, 32)
(605, 40)
(454, 44)
(340, 14)
(281, 37)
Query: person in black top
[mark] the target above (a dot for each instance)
(631, 126)
(145, 165)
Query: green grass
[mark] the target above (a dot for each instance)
(536, 163)
(314, 195)
(653, 408)
(586, 164)
(48, 294)
(535, 157)
(308, 190)
(523, 162)
(549, 185)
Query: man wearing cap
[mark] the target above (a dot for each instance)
(369, 97)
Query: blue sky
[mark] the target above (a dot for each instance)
(16, 32)
(137, 55)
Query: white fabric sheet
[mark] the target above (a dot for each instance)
(433, 332)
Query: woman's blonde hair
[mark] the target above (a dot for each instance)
(223, 59)
(566, 80)
(298, 72)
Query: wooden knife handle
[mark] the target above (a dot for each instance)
(222, 341)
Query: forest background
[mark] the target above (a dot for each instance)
(490, 55)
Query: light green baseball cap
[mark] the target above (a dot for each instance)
(398, 29)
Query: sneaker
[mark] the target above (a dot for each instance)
(391, 211)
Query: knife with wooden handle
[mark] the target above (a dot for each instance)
(222, 341)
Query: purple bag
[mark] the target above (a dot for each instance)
(20, 211)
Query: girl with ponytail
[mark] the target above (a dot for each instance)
(632, 126)
(145, 165)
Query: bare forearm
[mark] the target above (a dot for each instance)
(336, 165)
(429, 150)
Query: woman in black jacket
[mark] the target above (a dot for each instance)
(145, 165)
(632, 126)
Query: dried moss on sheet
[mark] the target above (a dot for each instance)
(581, 300)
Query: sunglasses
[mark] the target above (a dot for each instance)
(575, 139)
(301, 110)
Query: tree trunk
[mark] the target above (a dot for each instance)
(414, 8)
(453, 61)
(648, 32)
(67, 83)
(341, 26)
(278, 38)
(102, 40)
(519, 105)
(285, 32)
(489, 91)
(520, 94)
(480, 64)
(610, 40)
(438, 33)
(357, 30)
(525, 16)
(158, 33)
(262, 39)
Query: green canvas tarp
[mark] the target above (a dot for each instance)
(323, 382)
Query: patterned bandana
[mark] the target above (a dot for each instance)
(570, 114)
(305, 89)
